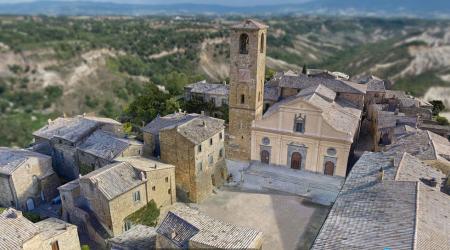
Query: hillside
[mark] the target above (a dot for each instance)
(71, 65)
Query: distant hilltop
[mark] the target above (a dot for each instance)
(382, 8)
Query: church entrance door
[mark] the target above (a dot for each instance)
(296, 160)
(265, 157)
(329, 168)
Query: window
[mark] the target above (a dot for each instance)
(224, 102)
(261, 47)
(242, 99)
(136, 196)
(153, 188)
(243, 44)
(167, 179)
(199, 148)
(213, 100)
(55, 245)
(211, 141)
(200, 166)
(259, 96)
(210, 160)
(331, 151)
(299, 125)
(127, 225)
(221, 153)
(220, 135)
(169, 191)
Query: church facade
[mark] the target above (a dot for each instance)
(312, 131)
(312, 122)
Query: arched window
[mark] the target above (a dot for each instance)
(261, 47)
(243, 44)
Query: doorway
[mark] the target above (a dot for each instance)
(265, 156)
(296, 160)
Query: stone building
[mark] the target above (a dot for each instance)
(376, 90)
(101, 201)
(196, 148)
(186, 228)
(216, 93)
(26, 179)
(313, 130)
(60, 138)
(247, 74)
(288, 84)
(151, 131)
(386, 126)
(17, 232)
(101, 148)
(389, 201)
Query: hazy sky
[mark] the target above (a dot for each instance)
(223, 2)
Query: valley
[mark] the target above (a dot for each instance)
(51, 66)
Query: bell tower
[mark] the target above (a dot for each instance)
(247, 73)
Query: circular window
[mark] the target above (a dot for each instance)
(331, 151)
(266, 141)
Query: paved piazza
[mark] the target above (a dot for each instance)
(287, 221)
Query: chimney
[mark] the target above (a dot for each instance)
(381, 174)
(143, 176)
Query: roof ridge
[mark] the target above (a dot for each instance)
(399, 166)
(416, 219)
(432, 144)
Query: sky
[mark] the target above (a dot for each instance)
(222, 2)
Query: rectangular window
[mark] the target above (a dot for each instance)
(221, 153)
(136, 196)
(242, 99)
(220, 135)
(169, 191)
(153, 188)
(211, 141)
(127, 225)
(55, 245)
(167, 179)
(299, 127)
(199, 148)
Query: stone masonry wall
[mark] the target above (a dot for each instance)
(246, 79)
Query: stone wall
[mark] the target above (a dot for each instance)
(124, 205)
(27, 184)
(247, 80)
(194, 174)
(67, 240)
(6, 195)
(65, 161)
(356, 99)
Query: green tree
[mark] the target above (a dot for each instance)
(438, 106)
(304, 70)
(148, 105)
(442, 120)
(147, 215)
